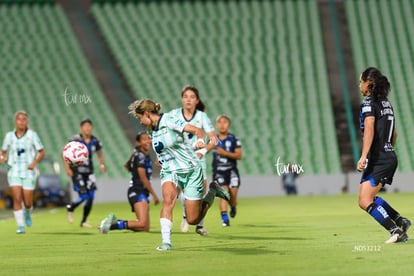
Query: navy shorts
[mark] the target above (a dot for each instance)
(229, 178)
(380, 171)
(135, 195)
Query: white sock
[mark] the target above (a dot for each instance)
(18, 215)
(166, 227)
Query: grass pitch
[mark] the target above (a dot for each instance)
(303, 235)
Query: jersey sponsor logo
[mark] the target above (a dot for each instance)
(20, 151)
(366, 109)
(158, 146)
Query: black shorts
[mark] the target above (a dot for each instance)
(136, 194)
(230, 178)
(381, 170)
(82, 183)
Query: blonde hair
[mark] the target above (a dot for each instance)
(20, 112)
(140, 106)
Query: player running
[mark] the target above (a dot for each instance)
(84, 181)
(180, 166)
(378, 161)
(192, 112)
(225, 171)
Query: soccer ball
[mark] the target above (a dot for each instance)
(75, 154)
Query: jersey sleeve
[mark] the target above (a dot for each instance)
(6, 142)
(174, 122)
(98, 144)
(207, 126)
(237, 142)
(367, 109)
(140, 160)
(36, 142)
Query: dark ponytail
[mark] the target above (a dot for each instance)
(379, 86)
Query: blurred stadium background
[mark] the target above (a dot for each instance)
(285, 71)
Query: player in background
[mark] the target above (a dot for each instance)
(23, 150)
(180, 166)
(83, 178)
(225, 171)
(140, 167)
(378, 161)
(192, 111)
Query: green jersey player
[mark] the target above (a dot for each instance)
(180, 166)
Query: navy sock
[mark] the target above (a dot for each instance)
(119, 225)
(224, 217)
(381, 216)
(391, 211)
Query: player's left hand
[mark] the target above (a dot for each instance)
(362, 163)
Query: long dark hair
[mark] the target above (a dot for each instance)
(379, 86)
(200, 106)
(127, 164)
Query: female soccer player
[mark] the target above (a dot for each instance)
(225, 171)
(180, 166)
(378, 161)
(192, 111)
(83, 178)
(22, 149)
(140, 167)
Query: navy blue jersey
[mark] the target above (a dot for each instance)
(384, 124)
(93, 146)
(230, 144)
(140, 160)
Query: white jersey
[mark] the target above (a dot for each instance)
(21, 152)
(173, 153)
(199, 119)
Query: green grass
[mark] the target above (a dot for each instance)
(305, 235)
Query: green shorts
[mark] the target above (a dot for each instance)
(27, 183)
(192, 182)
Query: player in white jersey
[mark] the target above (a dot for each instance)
(180, 166)
(192, 111)
(22, 150)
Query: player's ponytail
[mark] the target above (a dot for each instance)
(378, 86)
(140, 106)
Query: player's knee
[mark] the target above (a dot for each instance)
(363, 203)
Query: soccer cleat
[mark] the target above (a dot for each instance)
(397, 235)
(225, 223)
(220, 192)
(70, 213)
(112, 218)
(27, 218)
(201, 231)
(85, 225)
(185, 227)
(404, 224)
(233, 212)
(164, 247)
(20, 230)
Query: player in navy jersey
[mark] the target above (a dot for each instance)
(140, 167)
(378, 161)
(83, 178)
(225, 171)
(23, 150)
